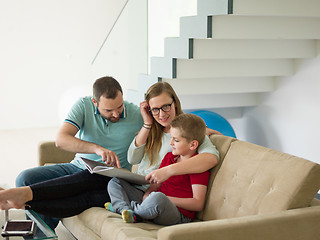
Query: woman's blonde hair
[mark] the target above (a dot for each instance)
(154, 143)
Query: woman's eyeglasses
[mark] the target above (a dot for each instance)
(165, 108)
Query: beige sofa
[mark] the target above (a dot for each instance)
(254, 193)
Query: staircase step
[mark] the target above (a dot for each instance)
(250, 27)
(163, 67)
(216, 7)
(261, 7)
(195, 27)
(228, 112)
(277, 7)
(176, 47)
(253, 49)
(184, 48)
(221, 85)
(233, 68)
(207, 101)
(185, 68)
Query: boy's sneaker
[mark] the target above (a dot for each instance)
(128, 216)
(108, 206)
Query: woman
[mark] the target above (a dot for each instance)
(152, 139)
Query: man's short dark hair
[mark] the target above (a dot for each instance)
(107, 87)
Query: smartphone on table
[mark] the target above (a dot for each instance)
(19, 228)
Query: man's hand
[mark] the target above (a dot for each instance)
(159, 175)
(109, 157)
(66, 140)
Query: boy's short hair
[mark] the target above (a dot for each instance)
(192, 127)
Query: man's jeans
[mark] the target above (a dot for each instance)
(44, 173)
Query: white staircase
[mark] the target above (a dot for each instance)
(234, 50)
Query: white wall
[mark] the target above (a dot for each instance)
(287, 119)
(46, 52)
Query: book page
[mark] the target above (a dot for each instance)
(103, 169)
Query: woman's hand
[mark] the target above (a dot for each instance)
(210, 131)
(143, 134)
(144, 109)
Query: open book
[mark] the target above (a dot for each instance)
(103, 169)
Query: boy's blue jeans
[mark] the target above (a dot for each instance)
(156, 207)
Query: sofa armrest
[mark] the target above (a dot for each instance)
(297, 224)
(50, 154)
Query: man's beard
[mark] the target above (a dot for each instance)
(113, 119)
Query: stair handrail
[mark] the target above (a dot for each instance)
(111, 29)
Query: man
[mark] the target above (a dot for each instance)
(106, 126)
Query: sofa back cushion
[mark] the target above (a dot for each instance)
(222, 144)
(254, 180)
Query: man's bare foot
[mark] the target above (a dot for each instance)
(15, 197)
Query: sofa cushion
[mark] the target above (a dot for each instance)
(88, 223)
(115, 228)
(79, 230)
(49, 154)
(222, 144)
(96, 223)
(254, 180)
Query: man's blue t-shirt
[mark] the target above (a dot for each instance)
(116, 137)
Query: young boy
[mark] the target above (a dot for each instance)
(177, 199)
